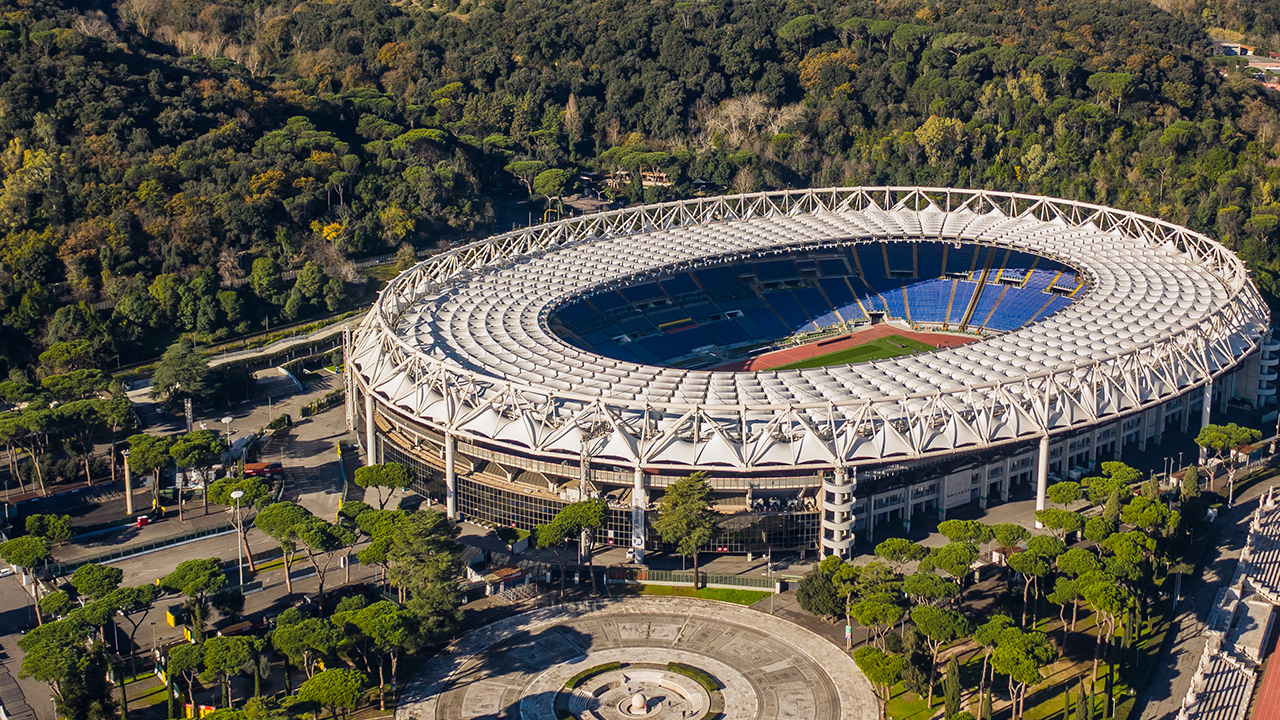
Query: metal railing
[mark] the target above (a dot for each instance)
(63, 568)
(625, 576)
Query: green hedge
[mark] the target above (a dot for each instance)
(707, 682)
(583, 676)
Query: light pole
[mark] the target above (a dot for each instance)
(227, 422)
(236, 495)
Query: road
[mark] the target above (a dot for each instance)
(1161, 698)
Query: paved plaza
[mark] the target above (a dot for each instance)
(765, 666)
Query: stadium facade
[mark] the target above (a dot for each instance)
(595, 356)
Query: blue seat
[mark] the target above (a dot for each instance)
(928, 300)
(679, 285)
(785, 304)
(964, 293)
(812, 301)
(832, 268)
(776, 271)
(837, 290)
(928, 261)
(642, 293)
(768, 324)
(607, 301)
(900, 256)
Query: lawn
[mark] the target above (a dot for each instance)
(740, 597)
(885, 347)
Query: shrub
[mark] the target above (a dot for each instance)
(707, 682)
(589, 673)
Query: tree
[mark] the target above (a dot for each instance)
(277, 521)
(1020, 655)
(877, 616)
(306, 642)
(223, 658)
(96, 581)
(150, 454)
(955, 559)
(257, 494)
(802, 30)
(526, 171)
(425, 561)
(197, 579)
(965, 531)
(392, 632)
(1190, 484)
(56, 604)
(1008, 535)
(25, 552)
(1225, 441)
(986, 635)
(322, 539)
(54, 528)
(199, 450)
(571, 524)
(817, 595)
(185, 662)
(686, 518)
(1097, 529)
(882, 670)
(552, 183)
(1064, 493)
(555, 537)
(1060, 522)
(900, 551)
(264, 278)
(130, 602)
(380, 527)
(1111, 511)
(1066, 591)
(929, 589)
(335, 688)
(951, 688)
(182, 372)
(386, 476)
(1116, 477)
(939, 627)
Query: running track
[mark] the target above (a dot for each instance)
(779, 358)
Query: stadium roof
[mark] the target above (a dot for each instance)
(461, 340)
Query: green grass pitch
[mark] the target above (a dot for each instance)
(885, 347)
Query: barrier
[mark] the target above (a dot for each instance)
(624, 576)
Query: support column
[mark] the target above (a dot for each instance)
(370, 431)
(637, 515)
(450, 477)
(1204, 414)
(1159, 410)
(906, 508)
(1042, 476)
(128, 488)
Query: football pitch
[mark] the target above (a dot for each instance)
(885, 347)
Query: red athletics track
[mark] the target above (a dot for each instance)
(779, 358)
(1267, 705)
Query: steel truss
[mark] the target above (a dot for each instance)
(429, 389)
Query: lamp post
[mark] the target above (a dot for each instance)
(236, 495)
(227, 422)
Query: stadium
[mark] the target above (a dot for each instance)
(837, 361)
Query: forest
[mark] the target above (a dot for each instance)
(214, 168)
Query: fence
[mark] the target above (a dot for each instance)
(59, 568)
(624, 576)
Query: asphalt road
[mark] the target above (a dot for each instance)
(1161, 698)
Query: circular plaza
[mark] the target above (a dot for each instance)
(650, 657)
